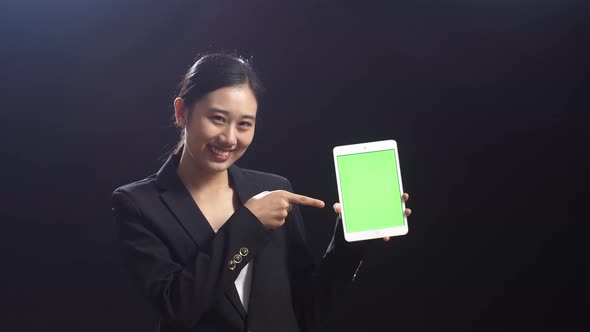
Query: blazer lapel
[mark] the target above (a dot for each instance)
(244, 184)
(180, 202)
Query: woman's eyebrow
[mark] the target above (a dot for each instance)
(226, 113)
(218, 110)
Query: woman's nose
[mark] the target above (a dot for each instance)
(228, 136)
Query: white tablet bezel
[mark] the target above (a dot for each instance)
(363, 148)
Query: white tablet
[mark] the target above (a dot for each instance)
(370, 190)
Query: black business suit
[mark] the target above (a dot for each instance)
(187, 271)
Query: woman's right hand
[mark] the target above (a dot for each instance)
(272, 207)
(338, 209)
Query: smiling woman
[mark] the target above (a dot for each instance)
(215, 247)
(212, 72)
(217, 129)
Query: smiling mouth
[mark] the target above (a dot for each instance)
(218, 151)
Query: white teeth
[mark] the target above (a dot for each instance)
(219, 152)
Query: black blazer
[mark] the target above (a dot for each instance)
(187, 271)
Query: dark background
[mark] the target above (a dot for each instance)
(488, 101)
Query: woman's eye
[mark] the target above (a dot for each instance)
(218, 119)
(245, 124)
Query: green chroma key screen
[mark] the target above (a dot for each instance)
(370, 191)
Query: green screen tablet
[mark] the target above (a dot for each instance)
(370, 190)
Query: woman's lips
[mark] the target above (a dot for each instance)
(218, 154)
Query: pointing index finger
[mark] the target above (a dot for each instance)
(303, 200)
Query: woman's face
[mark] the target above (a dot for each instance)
(220, 127)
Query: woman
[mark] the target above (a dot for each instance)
(215, 247)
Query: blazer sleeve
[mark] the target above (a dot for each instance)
(183, 292)
(318, 284)
(338, 269)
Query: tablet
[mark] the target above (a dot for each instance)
(370, 190)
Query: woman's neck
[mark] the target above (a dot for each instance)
(197, 180)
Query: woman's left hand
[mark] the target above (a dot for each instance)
(407, 212)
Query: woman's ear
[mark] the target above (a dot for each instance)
(180, 112)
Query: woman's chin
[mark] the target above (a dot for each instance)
(219, 167)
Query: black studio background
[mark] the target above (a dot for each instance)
(487, 100)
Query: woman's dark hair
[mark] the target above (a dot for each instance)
(214, 71)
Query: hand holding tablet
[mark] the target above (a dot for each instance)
(338, 209)
(370, 190)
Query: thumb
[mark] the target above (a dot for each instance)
(337, 207)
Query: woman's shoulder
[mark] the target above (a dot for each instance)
(263, 178)
(143, 186)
